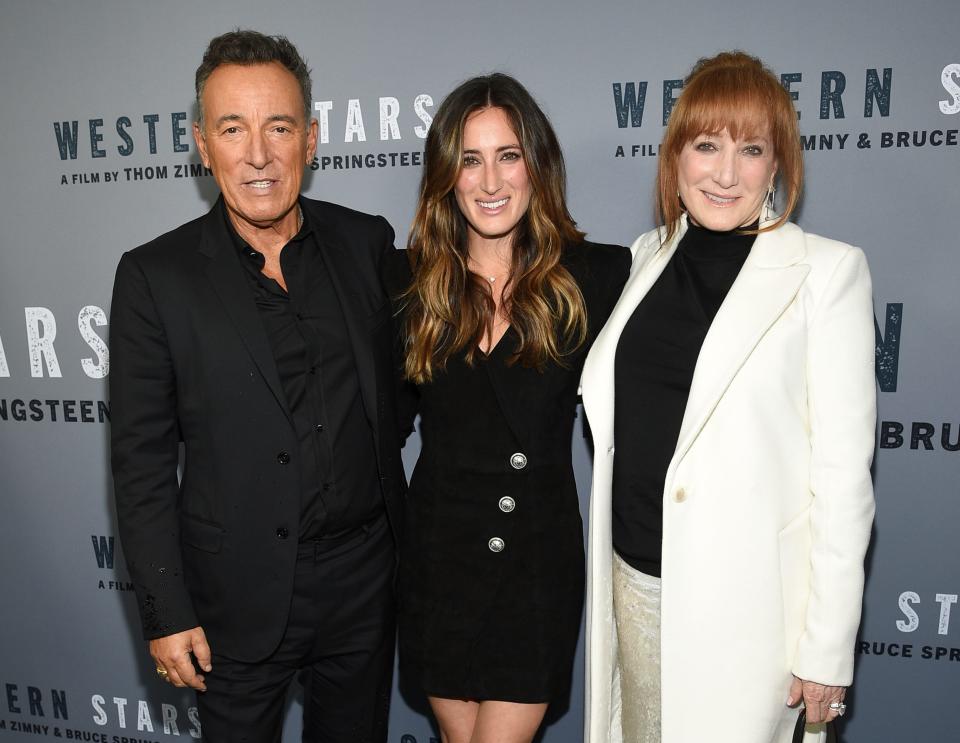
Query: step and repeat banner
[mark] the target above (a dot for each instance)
(98, 158)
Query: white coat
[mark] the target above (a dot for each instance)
(767, 501)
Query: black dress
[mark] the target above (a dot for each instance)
(491, 565)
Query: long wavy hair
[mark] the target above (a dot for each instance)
(448, 308)
(736, 92)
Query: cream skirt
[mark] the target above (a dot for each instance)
(636, 606)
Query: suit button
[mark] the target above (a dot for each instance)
(282, 533)
(283, 458)
(518, 461)
(319, 428)
(507, 504)
(680, 495)
(496, 544)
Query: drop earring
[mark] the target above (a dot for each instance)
(767, 213)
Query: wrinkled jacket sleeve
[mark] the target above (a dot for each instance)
(144, 453)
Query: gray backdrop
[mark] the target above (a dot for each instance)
(97, 100)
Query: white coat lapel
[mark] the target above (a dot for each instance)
(765, 287)
(598, 372)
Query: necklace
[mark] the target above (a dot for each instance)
(491, 278)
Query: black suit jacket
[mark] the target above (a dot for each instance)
(192, 363)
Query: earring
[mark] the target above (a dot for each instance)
(767, 213)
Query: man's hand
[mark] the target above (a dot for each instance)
(816, 698)
(172, 654)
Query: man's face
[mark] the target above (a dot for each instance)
(255, 140)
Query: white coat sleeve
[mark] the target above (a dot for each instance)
(842, 415)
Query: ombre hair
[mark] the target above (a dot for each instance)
(736, 92)
(448, 308)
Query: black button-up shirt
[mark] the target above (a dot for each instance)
(339, 484)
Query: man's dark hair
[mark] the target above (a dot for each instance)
(250, 48)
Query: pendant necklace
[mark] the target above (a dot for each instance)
(491, 278)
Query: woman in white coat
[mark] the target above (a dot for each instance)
(732, 402)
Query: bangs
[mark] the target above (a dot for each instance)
(731, 100)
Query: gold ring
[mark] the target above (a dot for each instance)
(162, 672)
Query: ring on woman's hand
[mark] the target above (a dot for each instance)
(838, 707)
(162, 672)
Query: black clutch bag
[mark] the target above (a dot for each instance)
(800, 728)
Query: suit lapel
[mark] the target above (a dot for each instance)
(343, 276)
(765, 287)
(231, 285)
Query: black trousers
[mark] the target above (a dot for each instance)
(341, 630)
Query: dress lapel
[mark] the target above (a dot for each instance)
(512, 395)
(765, 287)
(231, 286)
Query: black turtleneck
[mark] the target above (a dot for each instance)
(656, 357)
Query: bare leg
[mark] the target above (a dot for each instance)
(464, 721)
(456, 718)
(507, 722)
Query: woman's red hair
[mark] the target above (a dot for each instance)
(736, 92)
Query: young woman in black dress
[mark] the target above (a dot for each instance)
(498, 297)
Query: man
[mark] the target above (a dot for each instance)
(260, 337)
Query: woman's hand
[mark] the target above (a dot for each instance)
(817, 698)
